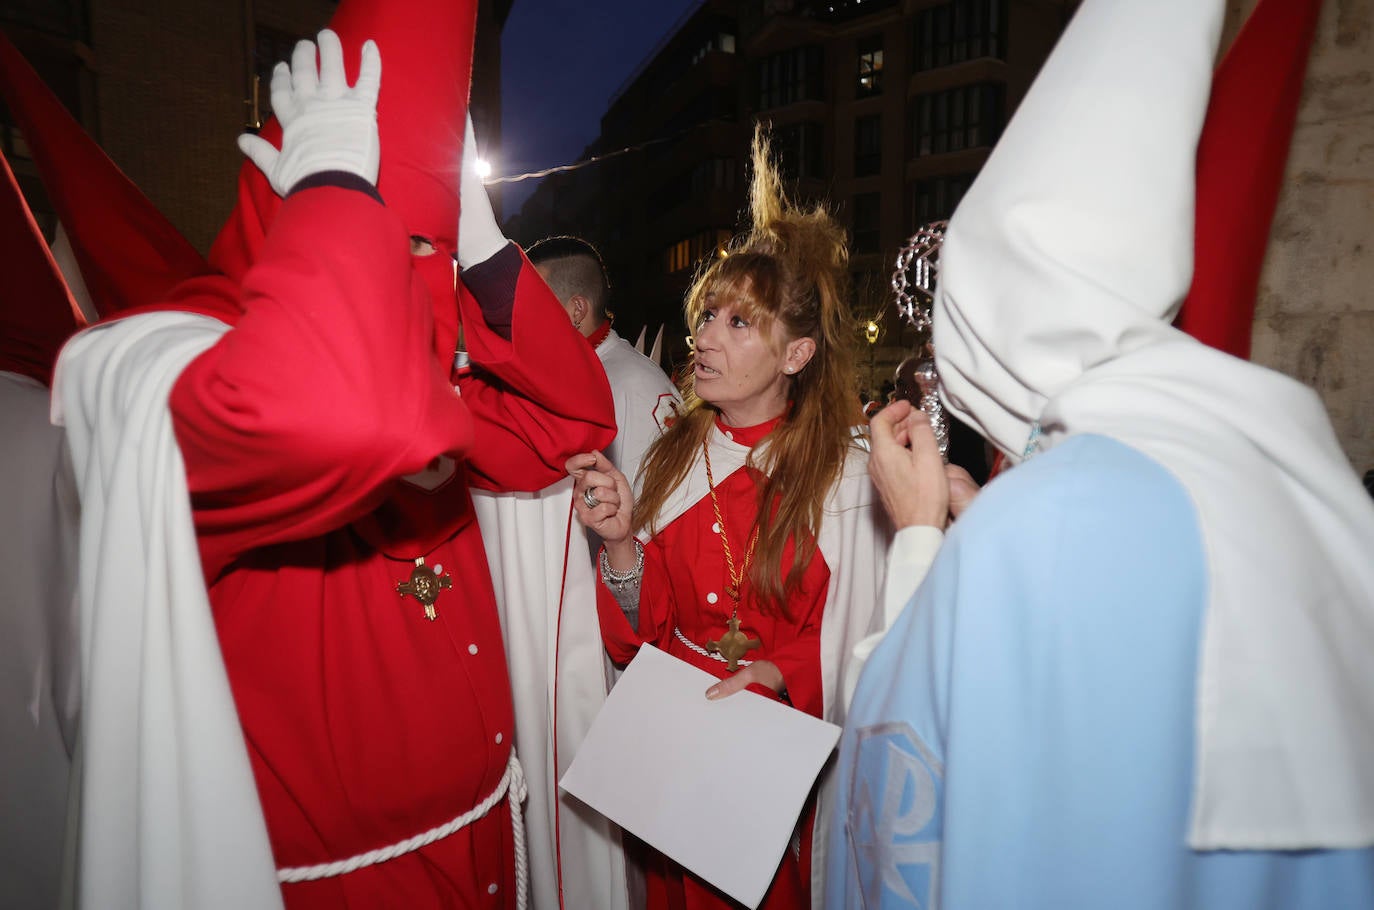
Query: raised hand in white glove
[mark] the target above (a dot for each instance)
(479, 236)
(326, 126)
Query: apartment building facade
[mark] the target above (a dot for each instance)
(882, 109)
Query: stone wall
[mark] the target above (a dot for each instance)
(172, 93)
(1315, 315)
(171, 77)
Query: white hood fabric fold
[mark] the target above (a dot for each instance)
(1060, 274)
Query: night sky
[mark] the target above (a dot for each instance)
(561, 60)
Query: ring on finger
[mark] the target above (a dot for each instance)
(589, 498)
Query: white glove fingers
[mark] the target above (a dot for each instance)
(325, 125)
(369, 82)
(283, 101)
(304, 77)
(333, 82)
(479, 236)
(259, 151)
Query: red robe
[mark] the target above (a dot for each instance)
(683, 589)
(366, 723)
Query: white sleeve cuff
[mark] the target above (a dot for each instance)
(909, 557)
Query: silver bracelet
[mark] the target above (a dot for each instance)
(624, 586)
(619, 581)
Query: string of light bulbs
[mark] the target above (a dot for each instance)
(595, 159)
(564, 168)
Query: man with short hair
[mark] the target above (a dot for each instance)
(559, 670)
(644, 397)
(558, 667)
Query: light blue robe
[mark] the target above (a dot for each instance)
(1024, 735)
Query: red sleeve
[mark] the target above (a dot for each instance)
(621, 640)
(655, 611)
(538, 393)
(800, 663)
(324, 390)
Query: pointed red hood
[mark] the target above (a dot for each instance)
(130, 255)
(1240, 163)
(426, 51)
(37, 314)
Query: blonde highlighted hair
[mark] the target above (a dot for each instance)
(791, 271)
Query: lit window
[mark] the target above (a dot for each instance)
(870, 73)
(687, 253)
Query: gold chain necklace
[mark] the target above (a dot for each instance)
(734, 644)
(736, 579)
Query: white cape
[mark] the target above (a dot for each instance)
(168, 815)
(1060, 273)
(546, 595)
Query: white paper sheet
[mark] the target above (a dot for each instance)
(716, 785)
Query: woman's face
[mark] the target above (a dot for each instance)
(741, 369)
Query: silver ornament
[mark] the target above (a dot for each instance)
(913, 283)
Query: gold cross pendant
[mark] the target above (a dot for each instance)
(733, 645)
(424, 585)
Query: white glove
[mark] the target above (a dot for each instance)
(326, 126)
(479, 236)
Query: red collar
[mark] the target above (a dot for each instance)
(749, 436)
(600, 335)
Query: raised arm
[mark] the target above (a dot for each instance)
(538, 393)
(326, 387)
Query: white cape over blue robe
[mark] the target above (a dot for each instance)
(1023, 736)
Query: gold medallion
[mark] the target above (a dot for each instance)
(733, 645)
(424, 585)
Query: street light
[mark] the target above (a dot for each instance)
(871, 330)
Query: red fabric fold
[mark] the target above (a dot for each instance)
(130, 254)
(37, 314)
(1240, 164)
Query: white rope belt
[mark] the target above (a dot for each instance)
(512, 784)
(702, 651)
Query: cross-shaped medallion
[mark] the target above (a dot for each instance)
(424, 585)
(733, 645)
